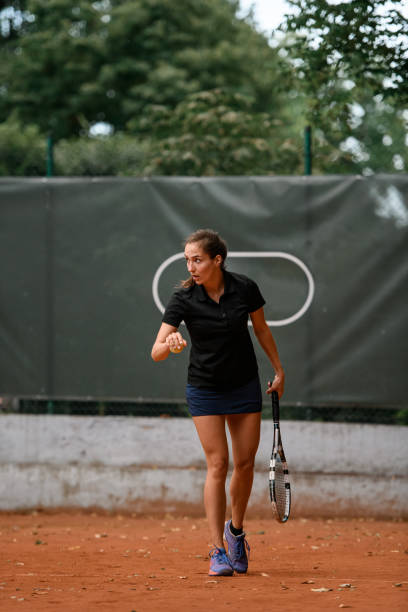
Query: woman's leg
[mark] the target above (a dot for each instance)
(245, 433)
(211, 431)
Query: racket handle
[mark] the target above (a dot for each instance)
(275, 406)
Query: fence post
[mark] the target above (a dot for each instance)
(50, 156)
(308, 150)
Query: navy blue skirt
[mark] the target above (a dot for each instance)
(247, 398)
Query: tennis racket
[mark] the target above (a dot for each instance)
(279, 485)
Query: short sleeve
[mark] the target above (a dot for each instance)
(175, 310)
(255, 298)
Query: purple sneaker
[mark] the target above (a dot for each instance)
(220, 564)
(237, 549)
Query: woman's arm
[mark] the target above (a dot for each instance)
(167, 338)
(267, 342)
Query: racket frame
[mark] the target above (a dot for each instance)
(277, 449)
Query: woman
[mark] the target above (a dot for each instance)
(223, 383)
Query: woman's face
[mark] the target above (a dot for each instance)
(199, 264)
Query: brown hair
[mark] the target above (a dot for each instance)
(211, 243)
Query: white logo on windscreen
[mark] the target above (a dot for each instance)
(247, 254)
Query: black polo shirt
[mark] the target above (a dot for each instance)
(222, 355)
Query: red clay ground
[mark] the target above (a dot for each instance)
(95, 561)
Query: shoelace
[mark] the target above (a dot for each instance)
(239, 550)
(216, 552)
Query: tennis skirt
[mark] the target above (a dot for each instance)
(247, 398)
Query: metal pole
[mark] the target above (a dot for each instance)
(50, 156)
(308, 150)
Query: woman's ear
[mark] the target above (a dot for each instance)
(218, 260)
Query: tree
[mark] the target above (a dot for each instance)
(70, 64)
(216, 133)
(46, 61)
(181, 48)
(354, 40)
(350, 62)
(22, 150)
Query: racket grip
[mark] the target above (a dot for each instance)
(275, 406)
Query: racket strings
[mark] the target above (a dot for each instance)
(280, 487)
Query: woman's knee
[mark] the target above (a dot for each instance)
(245, 465)
(217, 466)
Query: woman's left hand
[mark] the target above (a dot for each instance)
(278, 384)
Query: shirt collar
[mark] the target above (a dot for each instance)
(228, 288)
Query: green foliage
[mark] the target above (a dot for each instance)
(362, 40)
(23, 153)
(350, 63)
(215, 133)
(202, 88)
(402, 416)
(22, 149)
(70, 65)
(117, 155)
(47, 62)
(166, 50)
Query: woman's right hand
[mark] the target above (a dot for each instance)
(176, 342)
(277, 384)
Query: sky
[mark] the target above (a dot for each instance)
(268, 13)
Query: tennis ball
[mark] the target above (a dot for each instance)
(177, 349)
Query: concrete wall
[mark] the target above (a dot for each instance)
(156, 464)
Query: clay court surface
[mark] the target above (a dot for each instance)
(97, 561)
